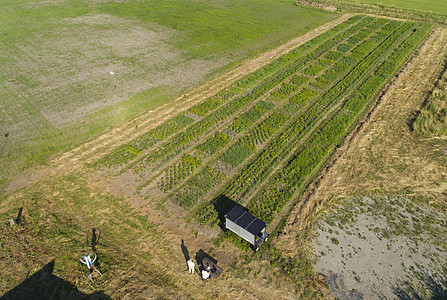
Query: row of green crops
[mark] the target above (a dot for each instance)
(179, 171)
(214, 143)
(199, 186)
(395, 47)
(232, 103)
(261, 133)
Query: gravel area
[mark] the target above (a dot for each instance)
(383, 248)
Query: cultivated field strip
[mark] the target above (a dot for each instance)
(263, 118)
(155, 143)
(261, 140)
(288, 135)
(279, 191)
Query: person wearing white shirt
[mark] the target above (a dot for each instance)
(191, 266)
(206, 273)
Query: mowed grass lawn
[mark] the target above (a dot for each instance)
(56, 89)
(433, 6)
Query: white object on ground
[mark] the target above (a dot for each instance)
(206, 274)
(89, 262)
(191, 266)
(111, 72)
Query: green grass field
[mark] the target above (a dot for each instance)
(55, 87)
(434, 6)
(432, 11)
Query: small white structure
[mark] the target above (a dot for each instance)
(246, 226)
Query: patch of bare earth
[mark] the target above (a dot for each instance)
(383, 154)
(383, 247)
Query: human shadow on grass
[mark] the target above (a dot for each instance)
(93, 238)
(45, 285)
(185, 251)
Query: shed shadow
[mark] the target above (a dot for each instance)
(223, 204)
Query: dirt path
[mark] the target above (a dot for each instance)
(382, 147)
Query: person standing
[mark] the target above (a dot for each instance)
(191, 266)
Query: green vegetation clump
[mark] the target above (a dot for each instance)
(215, 143)
(236, 154)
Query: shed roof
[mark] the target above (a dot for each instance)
(245, 220)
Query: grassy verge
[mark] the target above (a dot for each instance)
(433, 11)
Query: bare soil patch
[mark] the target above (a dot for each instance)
(380, 247)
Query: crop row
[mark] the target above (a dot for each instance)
(243, 122)
(262, 164)
(178, 172)
(198, 187)
(120, 157)
(261, 133)
(214, 143)
(273, 198)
